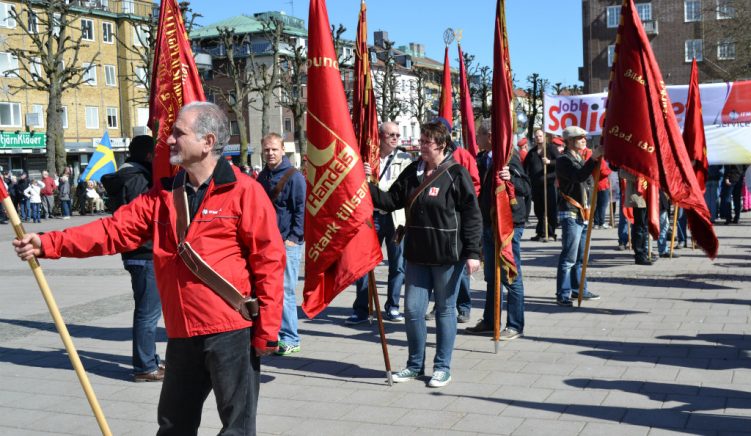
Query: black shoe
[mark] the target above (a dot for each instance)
(481, 328)
(565, 302)
(667, 255)
(536, 238)
(643, 261)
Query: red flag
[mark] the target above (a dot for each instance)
(693, 129)
(3, 191)
(468, 115)
(340, 241)
(364, 116)
(502, 128)
(652, 196)
(445, 109)
(174, 83)
(641, 133)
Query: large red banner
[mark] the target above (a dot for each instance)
(693, 129)
(364, 116)
(468, 114)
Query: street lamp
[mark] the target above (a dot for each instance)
(521, 119)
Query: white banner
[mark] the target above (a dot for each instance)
(726, 109)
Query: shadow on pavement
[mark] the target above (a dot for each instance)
(111, 366)
(75, 330)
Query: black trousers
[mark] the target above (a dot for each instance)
(639, 233)
(224, 362)
(538, 197)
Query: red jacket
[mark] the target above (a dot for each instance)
(604, 183)
(465, 159)
(235, 232)
(49, 185)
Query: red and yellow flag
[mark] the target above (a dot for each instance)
(641, 133)
(364, 115)
(341, 244)
(445, 109)
(502, 128)
(174, 83)
(468, 114)
(693, 130)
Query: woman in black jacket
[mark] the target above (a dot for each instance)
(442, 235)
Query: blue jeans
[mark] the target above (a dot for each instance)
(515, 305)
(663, 246)
(222, 362)
(444, 281)
(464, 298)
(570, 262)
(148, 309)
(65, 205)
(35, 212)
(603, 203)
(25, 208)
(682, 236)
(710, 197)
(384, 225)
(288, 332)
(623, 226)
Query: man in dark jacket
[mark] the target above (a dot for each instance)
(575, 189)
(730, 193)
(123, 186)
(285, 187)
(514, 172)
(535, 165)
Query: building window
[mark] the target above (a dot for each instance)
(287, 125)
(108, 33)
(140, 36)
(33, 22)
(693, 50)
(10, 115)
(129, 6)
(6, 20)
(8, 64)
(38, 110)
(611, 55)
(110, 75)
(234, 128)
(141, 77)
(613, 16)
(89, 74)
(645, 11)
(92, 117)
(56, 19)
(726, 50)
(691, 10)
(725, 9)
(87, 29)
(64, 117)
(35, 68)
(112, 118)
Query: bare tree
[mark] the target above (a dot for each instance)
(264, 73)
(50, 61)
(234, 67)
(422, 99)
(389, 105)
(534, 95)
(294, 78)
(727, 39)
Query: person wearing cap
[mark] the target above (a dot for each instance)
(523, 147)
(575, 185)
(540, 165)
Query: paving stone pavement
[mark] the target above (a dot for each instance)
(667, 350)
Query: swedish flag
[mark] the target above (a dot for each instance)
(102, 161)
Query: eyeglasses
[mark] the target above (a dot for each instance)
(393, 135)
(423, 142)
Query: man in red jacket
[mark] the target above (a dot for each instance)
(232, 227)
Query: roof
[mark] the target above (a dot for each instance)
(250, 24)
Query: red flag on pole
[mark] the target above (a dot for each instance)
(340, 241)
(468, 115)
(641, 133)
(502, 128)
(364, 116)
(693, 130)
(174, 83)
(3, 191)
(445, 109)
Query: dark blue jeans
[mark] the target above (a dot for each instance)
(570, 262)
(730, 201)
(35, 212)
(25, 207)
(710, 197)
(623, 226)
(603, 203)
(515, 305)
(384, 225)
(65, 205)
(224, 362)
(148, 309)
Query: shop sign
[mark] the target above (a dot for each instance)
(23, 140)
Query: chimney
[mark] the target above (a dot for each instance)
(379, 37)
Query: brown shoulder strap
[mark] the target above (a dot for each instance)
(442, 168)
(283, 181)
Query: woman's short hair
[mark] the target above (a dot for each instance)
(439, 133)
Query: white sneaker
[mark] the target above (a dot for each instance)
(440, 379)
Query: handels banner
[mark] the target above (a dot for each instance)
(726, 109)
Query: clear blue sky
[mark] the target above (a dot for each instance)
(545, 35)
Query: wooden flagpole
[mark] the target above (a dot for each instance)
(497, 290)
(583, 277)
(545, 184)
(675, 224)
(59, 323)
(373, 291)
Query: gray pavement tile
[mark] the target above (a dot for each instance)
(433, 399)
(512, 379)
(480, 423)
(436, 419)
(657, 373)
(600, 429)
(376, 414)
(544, 427)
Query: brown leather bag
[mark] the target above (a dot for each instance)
(246, 306)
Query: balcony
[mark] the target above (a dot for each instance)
(651, 27)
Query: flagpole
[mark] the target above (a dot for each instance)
(675, 223)
(497, 291)
(611, 206)
(59, 323)
(545, 184)
(381, 331)
(583, 276)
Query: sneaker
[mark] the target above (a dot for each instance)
(393, 315)
(565, 302)
(405, 375)
(287, 349)
(440, 379)
(156, 375)
(430, 315)
(462, 318)
(509, 334)
(66, 217)
(605, 226)
(587, 296)
(480, 328)
(355, 319)
(621, 248)
(643, 261)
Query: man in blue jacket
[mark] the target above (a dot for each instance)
(285, 187)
